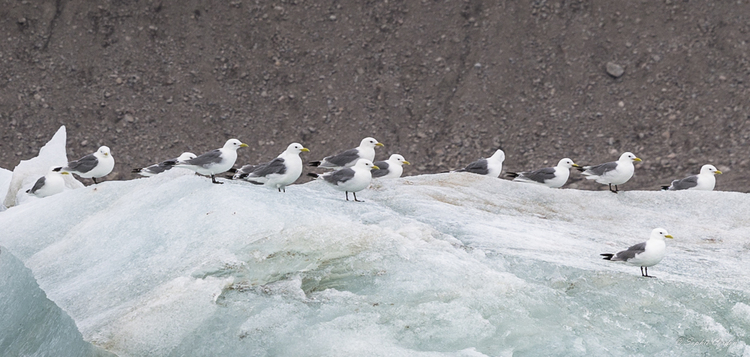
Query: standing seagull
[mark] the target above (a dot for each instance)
(365, 150)
(215, 161)
(391, 168)
(350, 179)
(646, 254)
(164, 165)
(612, 173)
(93, 166)
(492, 166)
(704, 181)
(279, 173)
(50, 184)
(554, 177)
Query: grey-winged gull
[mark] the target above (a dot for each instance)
(612, 173)
(391, 168)
(215, 161)
(704, 181)
(93, 166)
(365, 150)
(279, 172)
(491, 166)
(50, 184)
(350, 179)
(646, 254)
(554, 177)
(164, 165)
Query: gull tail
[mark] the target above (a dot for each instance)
(607, 256)
(512, 175)
(665, 188)
(311, 174)
(582, 168)
(136, 171)
(314, 163)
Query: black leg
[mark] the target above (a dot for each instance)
(94, 178)
(610, 188)
(347, 195)
(213, 179)
(646, 274)
(355, 197)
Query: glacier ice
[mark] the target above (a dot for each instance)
(27, 172)
(32, 325)
(435, 265)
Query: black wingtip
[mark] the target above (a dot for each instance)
(314, 163)
(312, 174)
(232, 170)
(607, 256)
(511, 175)
(136, 171)
(29, 190)
(581, 168)
(665, 188)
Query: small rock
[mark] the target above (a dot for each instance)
(84, 143)
(615, 70)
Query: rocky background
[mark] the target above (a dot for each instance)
(440, 82)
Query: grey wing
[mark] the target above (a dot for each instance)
(210, 158)
(276, 166)
(631, 252)
(39, 184)
(477, 167)
(541, 175)
(382, 171)
(685, 183)
(343, 158)
(602, 168)
(339, 176)
(161, 167)
(84, 164)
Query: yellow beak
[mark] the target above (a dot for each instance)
(406, 162)
(375, 167)
(379, 144)
(637, 159)
(576, 165)
(717, 172)
(305, 150)
(243, 145)
(65, 173)
(669, 236)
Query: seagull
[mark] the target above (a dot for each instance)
(704, 181)
(492, 166)
(350, 179)
(365, 150)
(93, 166)
(279, 173)
(554, 177)
(164, 165)
(646, 254)
(215, 161)
(612, 173)
(50, 184)
(391, 168)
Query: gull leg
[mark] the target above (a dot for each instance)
(355, 197)
(94, 178)
(347, 195)
(610, 188)
(213, 179)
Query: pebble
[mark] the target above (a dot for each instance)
(615, 70)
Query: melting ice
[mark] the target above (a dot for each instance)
(435, 265)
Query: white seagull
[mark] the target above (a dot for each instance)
(164, 165)
(365, 150)
(491, 166)
(646, 254)
(391, 168)
(50, 184)
(93, 166)
(279, 172)
(350, 179)
(612, 173)
(704, 181)
(554, 177)
(215, 161)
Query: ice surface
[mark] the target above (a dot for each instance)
(436, 265)
(28, 171)
(31, 324)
